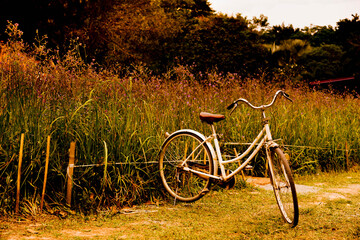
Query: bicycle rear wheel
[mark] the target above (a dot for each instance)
(185, 149)
(283, 186)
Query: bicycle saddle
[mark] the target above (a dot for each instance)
(211, 118)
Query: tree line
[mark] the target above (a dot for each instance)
(161, 34)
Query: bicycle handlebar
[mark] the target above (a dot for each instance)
(262, 107)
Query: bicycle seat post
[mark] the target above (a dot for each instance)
(213, 130)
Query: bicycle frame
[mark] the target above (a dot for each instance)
(264, 138)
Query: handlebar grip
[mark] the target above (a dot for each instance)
(231, 106)
(287, 96)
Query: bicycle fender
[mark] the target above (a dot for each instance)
(203, 138)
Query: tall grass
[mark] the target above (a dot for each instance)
(123, 120)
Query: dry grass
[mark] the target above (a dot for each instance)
(44, 94)
(331, 212)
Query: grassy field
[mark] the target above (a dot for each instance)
(329, 210)
(123, 119)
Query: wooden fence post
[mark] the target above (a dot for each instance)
(347, 156)
(70, 173)
(19, 174)
(46, 172)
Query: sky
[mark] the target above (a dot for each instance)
(299, 13)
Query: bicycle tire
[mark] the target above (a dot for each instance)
(283, 185)
(184, 185)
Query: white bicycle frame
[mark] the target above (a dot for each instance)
(264, 138)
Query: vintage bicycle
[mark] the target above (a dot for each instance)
(189, 164)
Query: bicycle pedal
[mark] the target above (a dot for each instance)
(205, 191)
(249, 167)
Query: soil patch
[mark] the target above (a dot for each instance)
(264, 183)
(330, 194)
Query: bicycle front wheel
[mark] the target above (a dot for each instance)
(283, 186)
(185, 149)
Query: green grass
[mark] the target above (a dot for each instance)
(247, 213)
(74, 101)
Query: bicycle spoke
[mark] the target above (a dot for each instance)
(185, 150)
(284, 187)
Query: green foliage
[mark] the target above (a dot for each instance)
(226, 43)
(134, 32)
(280, 33)
(188, 9)
(322, 35)
(323, 62)
(161, 34)
(289, 51)
(348, 34)
(121, 121)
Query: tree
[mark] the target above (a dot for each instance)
(323, 62)
(280, 33)
(57, 19)
(187, 8)
(322, 35)
(131, 33)
(289, 51)
(348, 34)
(224, 42)
(260, 24)
(144, 31)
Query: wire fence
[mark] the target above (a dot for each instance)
(72, 165)
(229, 143)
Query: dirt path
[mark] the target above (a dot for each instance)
(331, 193)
